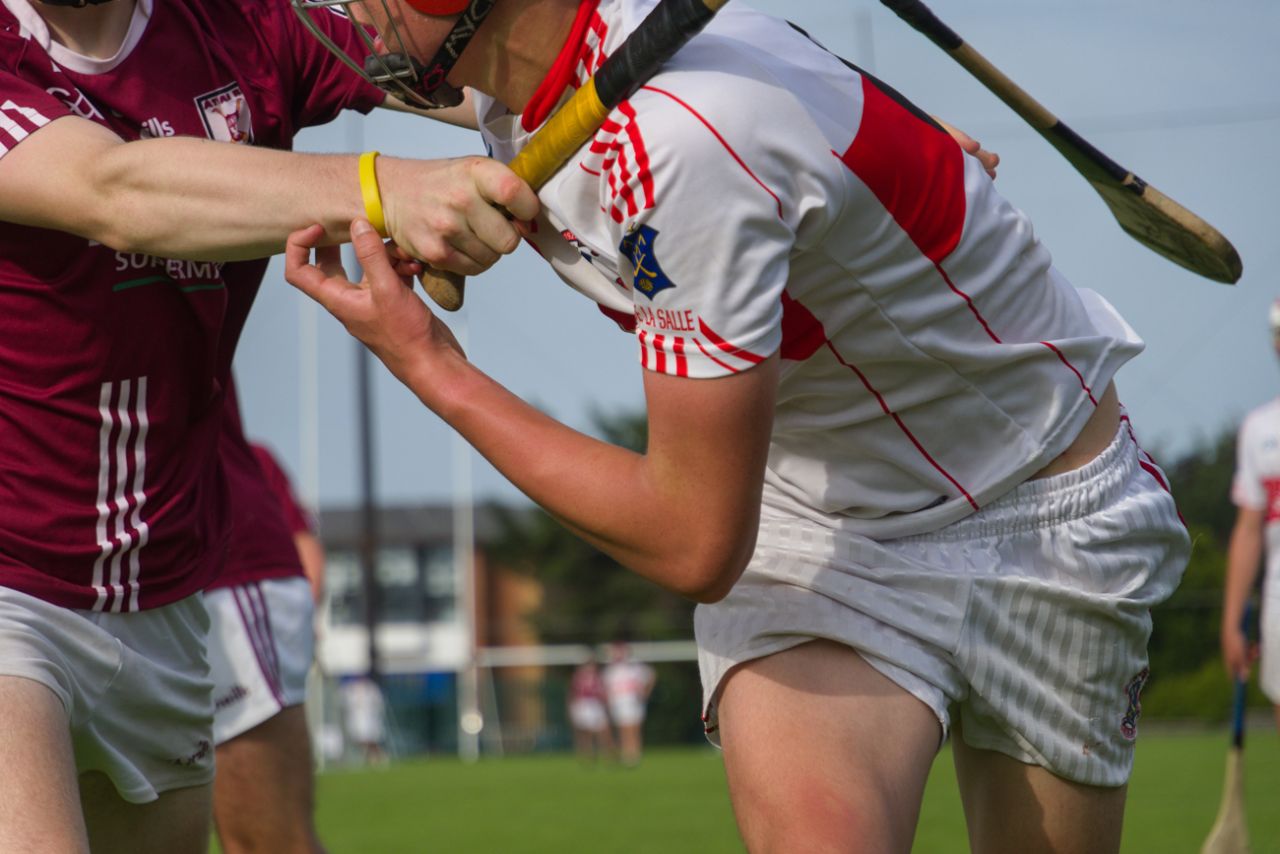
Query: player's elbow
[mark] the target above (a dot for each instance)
(710, 573)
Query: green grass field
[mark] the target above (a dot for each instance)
(675, 802)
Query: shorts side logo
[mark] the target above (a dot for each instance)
(1129, 723)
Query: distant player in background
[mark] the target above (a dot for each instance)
(628, 683)
(1256, 494)
(588, 716)
(140, 164)
(261, 643)
(885, 451)
(365, 715)
(301, 523)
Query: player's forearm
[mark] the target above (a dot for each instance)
(631, 506)
(311, 554)
(463, 115)
(1244, 556)
(189, 198)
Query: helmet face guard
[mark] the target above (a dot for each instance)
(390, 65)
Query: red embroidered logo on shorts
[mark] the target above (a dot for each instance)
(1129, 723)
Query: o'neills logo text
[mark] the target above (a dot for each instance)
(235, 695)
(225, 113)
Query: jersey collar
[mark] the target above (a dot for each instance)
(563, 73)
(33, 27)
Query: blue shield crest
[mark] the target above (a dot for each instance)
(638, 247)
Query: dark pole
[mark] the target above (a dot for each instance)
(364, 407)
(368, 507)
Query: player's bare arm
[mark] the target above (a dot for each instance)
(1244, 556)
(700, 479)
(463, 115)
(74, 175)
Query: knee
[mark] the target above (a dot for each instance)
(821, 822)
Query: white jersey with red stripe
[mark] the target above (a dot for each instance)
(1257, 479)
(760, 194)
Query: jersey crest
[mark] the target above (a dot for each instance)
(639, 247)
(225, 113)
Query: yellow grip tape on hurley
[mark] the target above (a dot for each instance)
(562, 135)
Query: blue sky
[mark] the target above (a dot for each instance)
(1182, 92)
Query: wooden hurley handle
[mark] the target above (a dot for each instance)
(445, 289)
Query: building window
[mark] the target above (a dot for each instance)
(346, 590)
(439, 584)
(415, 585)
(400, 586)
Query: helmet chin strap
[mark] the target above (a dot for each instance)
(432, 83)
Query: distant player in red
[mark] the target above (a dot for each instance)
(301, 524)
(1255, 491)
(885, 451)
(129, 198)
(588, 713)
(261, 644)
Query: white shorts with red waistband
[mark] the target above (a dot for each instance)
(260, 650)
(1028, 619)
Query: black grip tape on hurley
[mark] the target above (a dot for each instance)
(922, 18)
(663, 32)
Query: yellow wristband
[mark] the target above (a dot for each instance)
(369, 189)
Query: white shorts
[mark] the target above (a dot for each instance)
(260, 649)
(626, 709)
(1269, 665)
(135, 686)
(1031, 616)
(588, 714)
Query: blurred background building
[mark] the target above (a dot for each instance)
(518, 655)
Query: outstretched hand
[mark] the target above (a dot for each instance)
(382, 310)
(989, 159)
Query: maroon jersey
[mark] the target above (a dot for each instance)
(261, 544)
(297, 518)
(113, 364)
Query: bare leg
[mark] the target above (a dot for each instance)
(264, 794)
(1013, 807)
(823, 753)
(604, 741)
(39, 803)
(583, 742)
(176, 823)
(1277, 711)
(630, 743)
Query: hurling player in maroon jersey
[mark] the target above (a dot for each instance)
(143, 160)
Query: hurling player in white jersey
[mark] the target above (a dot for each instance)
(140, 165)
(885, 448)
(1256, 493)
